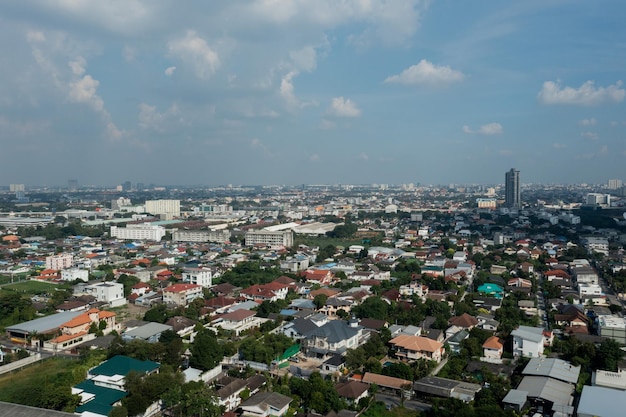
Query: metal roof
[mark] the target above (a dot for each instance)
(18, 410)
(603, 402)
(553, 368)
(44, 324)
(146, 331)
(557, 392)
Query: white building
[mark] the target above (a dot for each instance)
(72, 274)
(488, 203)
(163, 207)
(282, 238)
(528, 341)
(219, 236)
(596, 199)
(61, 261)
(589, 290)
(144, 231)
(596, 244)
(198, 276)
(108, 292)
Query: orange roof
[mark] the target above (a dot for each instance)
(493, 343)
(78, 321)
(416, 343)
(66, 337)
(181, 287)
(10, 238)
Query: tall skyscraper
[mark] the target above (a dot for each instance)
(511, 186)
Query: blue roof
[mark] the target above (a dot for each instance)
(104, 398)
(123, 365)
(288, 312)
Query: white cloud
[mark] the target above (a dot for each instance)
(488, 129)
(84, 91)
(559, 146)
(195, 52)
(506, 152)
(587, 122)
(35, 36)
(78, 66)
(314, 158)
(169, 71)
(614, 123)
(287, 91)
(425, 72)
(363, 156)
(341, 107)
(603, 151)
(586, 95)
(590, 135)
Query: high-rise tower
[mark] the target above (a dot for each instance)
(511, 186)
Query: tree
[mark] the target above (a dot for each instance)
(320, 300)
(206, 352)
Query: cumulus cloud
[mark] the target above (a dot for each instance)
(590, 135)
(342, 107)
(169, 71)
(363, 156)
(129, 53)
(195, 52)
(505, 152)
(314, 158)
(84, 90)
(587, 94)
(425, 72)
(602, 151)
(587, 122)
(559, 146)
(488, 129)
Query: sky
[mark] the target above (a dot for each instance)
(312, 91)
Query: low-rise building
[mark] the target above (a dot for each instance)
(182, 294)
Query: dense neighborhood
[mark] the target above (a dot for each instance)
(315, 301)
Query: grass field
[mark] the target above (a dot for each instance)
(33, 287)
(57, 370)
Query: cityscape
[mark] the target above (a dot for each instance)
(313, 300)
(312, 208)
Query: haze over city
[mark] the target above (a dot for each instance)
(325, 91)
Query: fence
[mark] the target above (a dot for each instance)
(13, 366)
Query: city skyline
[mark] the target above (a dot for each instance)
(312, 92)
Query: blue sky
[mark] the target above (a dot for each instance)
(312, 91)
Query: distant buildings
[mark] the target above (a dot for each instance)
(614, 184)
(280, 238)
(144, 231)
(512, 189)
(597, 199)
(165, 208)
(61, 261)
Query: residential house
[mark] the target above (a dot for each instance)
(182, 294)
(238, 321)
(198, 276)
(528, 341)
(334, 337)
(352, 391)
(416, 347)
(493, 348)
(266, 404)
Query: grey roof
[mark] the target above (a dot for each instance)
(146, 331)
(516, 397)
(553, 368)
(602, 402)
(534, 334)
(245, 305)
(264, 399)
(45, 324)
(18, 410)
(557, 392)
(445, 387)
(303, 326)
(334, 331)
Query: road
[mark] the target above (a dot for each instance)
(392, 401)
